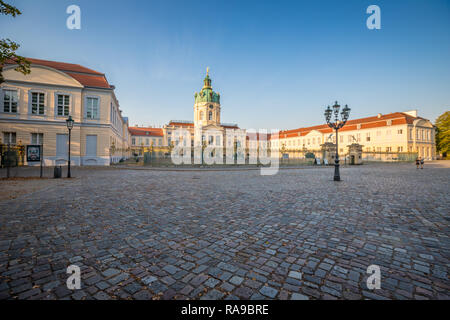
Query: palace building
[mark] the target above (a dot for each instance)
(34, 109)
(387, 137)
(393, 136)
(206, 127)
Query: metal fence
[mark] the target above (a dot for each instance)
(389, 156)
(12, 155)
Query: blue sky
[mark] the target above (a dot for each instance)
(276, 64)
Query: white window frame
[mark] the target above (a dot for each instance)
(30, 102)
(9, 134)
(60, 93)
(86, 107)
(3, 99)
(39, 140)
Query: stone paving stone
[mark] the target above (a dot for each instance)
(62, 291)
(268, 291)
(110, 272)
(206, 237)
(132, 288)
(236, 280)
(199, 279)
(148, 280)
(29, 293)
(142, 295)
(101, 296)
(211, 282)
(186, 290)
(212, 295)
(298, 296)
(119, 278)
(171, 269)
(93, 280)
(79, 295)
(295, 275)
(243, 292)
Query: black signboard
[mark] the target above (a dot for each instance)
(34, 153)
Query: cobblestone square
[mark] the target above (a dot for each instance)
(228, 234)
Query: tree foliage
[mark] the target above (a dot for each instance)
(443, 133)
(8, 47)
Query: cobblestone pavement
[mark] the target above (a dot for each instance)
(142, 234)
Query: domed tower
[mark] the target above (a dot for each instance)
(207, 105)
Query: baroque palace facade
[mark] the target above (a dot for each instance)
(34, 109)
(381, 137)
(205, 129)
(385, 137)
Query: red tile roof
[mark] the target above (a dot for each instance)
(366, 123)
(230, 126)
(87, 77)
(181, 124)
(141, 131)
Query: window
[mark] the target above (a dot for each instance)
(92, 108)
(388, 149)
(217, 140)
(10, 101)
(358, 137)
(91, 145)
(399, 131)
(201, 115)
(399, 149)
(368, 136)
(38, 103)
(37, 138)
(147, 141)
(9, 137)
(62, 105)
(210, 115)
(133, 141)
(61, 145)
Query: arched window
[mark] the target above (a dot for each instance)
(210, 115)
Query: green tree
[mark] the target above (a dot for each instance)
(8, 47)
(443, 133)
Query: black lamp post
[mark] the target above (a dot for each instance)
(336, 125)
(69, 123)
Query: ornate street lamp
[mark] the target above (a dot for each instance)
(69, 123)
(336, 125)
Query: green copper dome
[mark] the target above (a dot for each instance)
(207, 94)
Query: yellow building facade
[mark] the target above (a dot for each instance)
(34, 109)
(390, 134)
